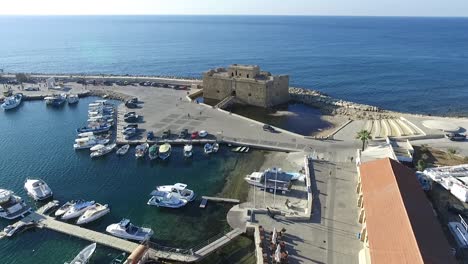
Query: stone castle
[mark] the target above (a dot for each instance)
(247, 84)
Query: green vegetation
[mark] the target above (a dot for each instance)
(451, 152)
(364, 136)
(421, 165)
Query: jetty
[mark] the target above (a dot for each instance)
(155, 251)
(205, 200)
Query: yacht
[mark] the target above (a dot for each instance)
(188, 151)
(179, 190)
(93, 213)
(37, 189)
(10, 230)
(86, 143)
(165, 151)
(123, 150)
(77, 210)
(140, 150)
(208, 148)
(65, 207)
(12, 101)
(126, 230)
(72, 99)
(165, 199)
(272, 178)
(95, 129)
(153, 152)
(56, 100)
(84, 255)
(103, 151)
(12, 206)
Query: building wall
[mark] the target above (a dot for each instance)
(273, 90)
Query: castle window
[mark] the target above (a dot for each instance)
(217, 91)
(250, 94)
(232, 74)
(236, 72)
(240, 74)
(247, 75)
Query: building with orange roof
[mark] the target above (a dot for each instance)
(398, 222)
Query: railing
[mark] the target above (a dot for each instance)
(210, 240)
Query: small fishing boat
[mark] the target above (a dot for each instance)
(123, 150)
(120, 259)
(208, 148)
(86, 143)
(95, 129)
(56, 100)
(126, 230)
(103, 151)
(77, 210)
(12, 101)
(140, 150)
(166, 199)
(10, 230)
(165, 151)
(215, 147)
(84, 255)
(97, 147)
(93, 213)
(72, 99)
(153, 152)
(37, 189)
(50, 206)
(188, 151)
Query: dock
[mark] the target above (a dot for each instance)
(205, 200)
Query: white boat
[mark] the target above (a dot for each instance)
(272, 178)
(103, 151)
(140, 150)
(215, 147)
(203, 133)
(72, 99)
(86, 134)
(188, 151)
(84, 255)
(12, 101)
(77, 210)
(165, 151)
(179, 190)
(123, 150)
(86, 143)
(97, 147)
(65, 207)
(165, 199)
(10, 230)
(37, 189)
(56, 100)
(12, 206)
(93, 213)
(126, 230)
(208, 148)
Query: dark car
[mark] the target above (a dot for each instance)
(150, 135)
(183, 133)
(268, 128)
(455, 136)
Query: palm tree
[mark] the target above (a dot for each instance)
(364, 136)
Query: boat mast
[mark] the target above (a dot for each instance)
(274, 194)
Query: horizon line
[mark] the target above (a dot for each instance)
(266, 15)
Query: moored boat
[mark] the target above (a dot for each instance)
(84, 255)
(126, 230)
(56, 100)
(95, 129)
(272, 178)
(72, 99)
(179, 190)
(208, 148)
(77, 210)
(37, 189)
(215, 147)
(86, 143)
(164, 151)
(140, 150)
(12, 101)
(11, 205)
(123, 150)
(103, 151)
(188, 151)
(165, 199)
(93, 213)
(153, 152)
(64, 208)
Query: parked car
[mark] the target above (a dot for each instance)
(166, 134)
(194, 135)
(455, 136)
(150, 135)
(183, 133)
(203, 133)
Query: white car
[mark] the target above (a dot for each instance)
(203, 134)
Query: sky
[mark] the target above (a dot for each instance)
(449, 8)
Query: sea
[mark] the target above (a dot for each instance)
(399, 63)
(407, 64)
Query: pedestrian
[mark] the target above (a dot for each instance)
(188, 115)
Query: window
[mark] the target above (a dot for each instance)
(247, 75)
(250, 94)
(217, 91)
(232, 74)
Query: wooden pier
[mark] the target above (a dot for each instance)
(205, 200)
(45, 221)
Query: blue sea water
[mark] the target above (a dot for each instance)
(399, 63)
(37, 142)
